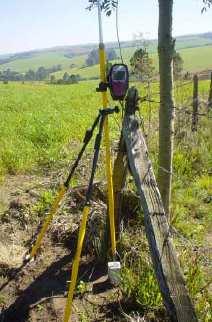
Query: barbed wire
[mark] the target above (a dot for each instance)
(182, 109)
(183, 84)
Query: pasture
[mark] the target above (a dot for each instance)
(193, 61)
(39, 121)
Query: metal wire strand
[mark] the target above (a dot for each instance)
(117, 31)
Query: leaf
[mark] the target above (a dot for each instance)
(106, 5)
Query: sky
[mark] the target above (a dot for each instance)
(36, 24)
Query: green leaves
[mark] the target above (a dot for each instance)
(207, 4)
(142, 64)
(106, 5)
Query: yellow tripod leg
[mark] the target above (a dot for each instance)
(109, 173)
(75, 266)
(48, 220)
(110, 187)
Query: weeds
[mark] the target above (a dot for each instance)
(138, 281)
(44, 203)
(82, 288)
(198, 283)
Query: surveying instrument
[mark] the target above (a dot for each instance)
(117, 81)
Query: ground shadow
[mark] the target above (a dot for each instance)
(53, 281)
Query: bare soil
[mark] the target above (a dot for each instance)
(37, 291)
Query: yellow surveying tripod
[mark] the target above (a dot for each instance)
(103, 123)
(103, 114)
(115, 77)
(103, 89)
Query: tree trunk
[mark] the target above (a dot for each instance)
(166, 46)
(210, 95)
(195, 104)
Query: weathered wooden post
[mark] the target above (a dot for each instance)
(210, 95)
(119, 178)
(164, 258)
(195, 104)
(120, 169)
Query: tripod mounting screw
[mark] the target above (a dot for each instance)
(102, 87)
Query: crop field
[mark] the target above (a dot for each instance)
(40, 133)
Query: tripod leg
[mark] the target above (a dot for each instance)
(63, 190)
(87, 138)
(109, 175)
(75, 267)
(48, 220)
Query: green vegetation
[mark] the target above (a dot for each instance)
(39, 75)
(84, 72)
(93, 56)
(142, 65)
(197, 59)
(45, 59)
(192, 58)
(39, 121)
(73, 59)
(41, 127)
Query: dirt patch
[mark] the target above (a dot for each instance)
(20, 191)
(37, 291)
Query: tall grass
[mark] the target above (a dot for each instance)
(39, 122)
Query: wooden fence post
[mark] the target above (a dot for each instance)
(119, 179)
(164, 258)
(195, 104)
(210, 95)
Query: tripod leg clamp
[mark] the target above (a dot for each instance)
(109, 110)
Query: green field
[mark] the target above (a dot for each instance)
(44, 59)
(192, 57)
(197, 59)
(38, 121)
(192, 48)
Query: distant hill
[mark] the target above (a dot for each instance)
(72, 58)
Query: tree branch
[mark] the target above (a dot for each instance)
(207, 4)
(107, 5)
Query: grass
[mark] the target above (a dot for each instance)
(84, 72)
(39, 121)
(197, 59)
(41, 127)
(45, 59)
(42, 124)
(192, 56)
